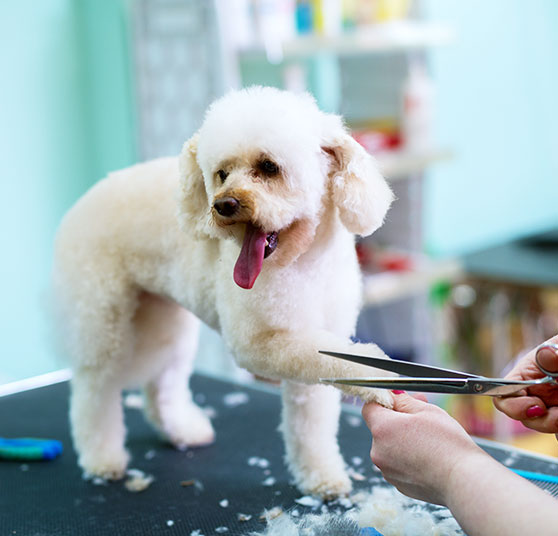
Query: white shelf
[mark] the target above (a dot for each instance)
(386, 287)
(381, 38)
(399, 164)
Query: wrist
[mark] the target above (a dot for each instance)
(463, 471)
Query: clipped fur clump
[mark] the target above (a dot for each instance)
(384, 509)
(250, 230)
(310, 525)
(394, 514)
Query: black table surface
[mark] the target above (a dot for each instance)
(51, 497)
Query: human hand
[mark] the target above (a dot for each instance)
(537, 408)
(417, 446)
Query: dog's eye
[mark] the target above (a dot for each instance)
(268, 167)
(222, 175)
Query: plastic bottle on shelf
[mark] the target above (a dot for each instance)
(328, 20)
(417, 109)
(303, 16)
(275, 23)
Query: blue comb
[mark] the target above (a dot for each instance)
(27, 448)
(546, 482)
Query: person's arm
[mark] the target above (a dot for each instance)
(427, 455)
(488, 499)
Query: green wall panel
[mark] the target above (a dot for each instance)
(67, 118)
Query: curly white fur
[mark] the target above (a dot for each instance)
(145, 250)
(384, 509)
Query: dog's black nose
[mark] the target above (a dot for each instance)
(226, 206)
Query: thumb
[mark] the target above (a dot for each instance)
(547, 357)
(372, 411)
(404, 403)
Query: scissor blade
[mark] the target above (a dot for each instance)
(463, 386)
(405, 368)
(424, 385)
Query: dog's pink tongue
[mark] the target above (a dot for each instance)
(249, 263)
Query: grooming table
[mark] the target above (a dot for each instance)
(50, 498)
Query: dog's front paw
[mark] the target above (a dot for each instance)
(367, 394)
(323, 475)
(326, 484)
(107, 465)
(380, 396)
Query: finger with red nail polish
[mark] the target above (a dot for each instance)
(535, 411)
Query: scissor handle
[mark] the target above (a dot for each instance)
(553, 348)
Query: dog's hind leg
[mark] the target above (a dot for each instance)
(310, 420)
(167, 334)
(98, 429)
(102, 339)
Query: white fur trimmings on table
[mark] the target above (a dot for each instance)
(385, 509)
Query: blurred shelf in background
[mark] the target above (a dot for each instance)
(400, 164)
(389, 286)
(397, 36)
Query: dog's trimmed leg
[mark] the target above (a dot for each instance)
(294, 356)
(310, 419)
(168, 334)
(97, 422)
(309, 424)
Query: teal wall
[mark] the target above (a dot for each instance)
(498, 111)
(66, 118)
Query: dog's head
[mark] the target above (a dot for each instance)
(266, 167)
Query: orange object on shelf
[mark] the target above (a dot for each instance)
(374, 259)
(377, 141)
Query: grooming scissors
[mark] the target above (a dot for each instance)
(430, 379)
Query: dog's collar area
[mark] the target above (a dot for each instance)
(271, 243)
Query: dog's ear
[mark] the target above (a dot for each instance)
(194, 207)
(359, 191)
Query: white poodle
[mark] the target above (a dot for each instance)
(252, 231)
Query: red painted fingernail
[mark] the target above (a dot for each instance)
(535, 411)
(397, 392)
